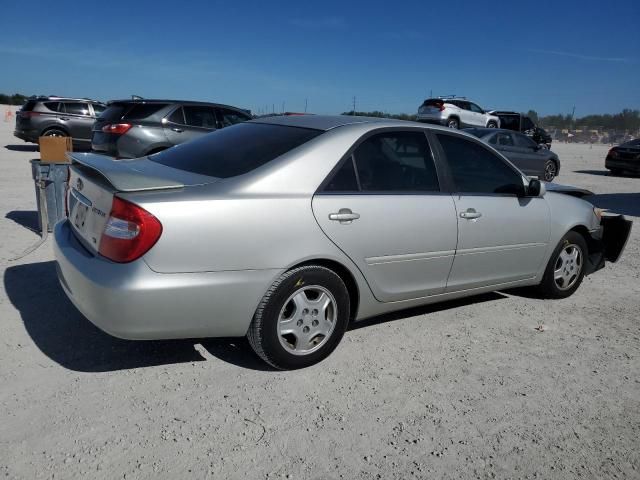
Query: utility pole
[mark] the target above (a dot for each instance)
(354, 105)
(273, 108)
(283, 106)
(306, 101)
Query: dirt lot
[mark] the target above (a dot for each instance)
(466, 389)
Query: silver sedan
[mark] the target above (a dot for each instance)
(286, 229)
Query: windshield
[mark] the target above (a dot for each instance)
(234, 150)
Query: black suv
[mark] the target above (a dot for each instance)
(135, 128)
(57, 117)
(521, 123)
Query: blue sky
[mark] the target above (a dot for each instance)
(547, 56)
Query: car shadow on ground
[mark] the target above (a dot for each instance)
(65, 336)
(426, 309)
(27, 218)
(22, 148)
(605, 173)
(623, 203)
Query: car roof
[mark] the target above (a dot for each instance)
(486, 131)
(328, 122)
(50, 98)
(182, 102)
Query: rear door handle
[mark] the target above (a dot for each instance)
(344, 215)
(470, 214)
(179, 130)
(65, 118)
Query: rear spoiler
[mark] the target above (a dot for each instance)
(126, 175)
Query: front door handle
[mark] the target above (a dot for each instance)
(470, 214)
(344, 215)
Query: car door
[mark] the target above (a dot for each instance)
(504, 142)
(382, 206)
(188, 122)
(476, 115)
(78, 120)
(530, 156)
(466, 116)
(502, 235)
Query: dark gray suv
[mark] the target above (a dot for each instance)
(135, 128)
(58, 117)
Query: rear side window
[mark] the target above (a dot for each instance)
(344, 180)
(53, 106)
(141, 111)
(235, 150)
(177, 116)
(75, 108)
(476, 170)
(196, 116)
(524, 141)
(502, 139)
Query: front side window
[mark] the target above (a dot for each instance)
(475, 108)
(477, 170)
(396, 162)
(76, 108)
(196, 116)
(231, 117)
(524, 141)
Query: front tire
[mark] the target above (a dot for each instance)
(492, 125)
(550, 171)
(301, 319)
(565, 270)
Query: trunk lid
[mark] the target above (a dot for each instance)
(431, 106)
(95, 179)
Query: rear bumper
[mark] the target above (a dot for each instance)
(104, 143)
(431, 119)
(630, 165)
(26, 135)
(132, 301)
(608, 242)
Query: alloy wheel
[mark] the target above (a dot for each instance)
(568, 266)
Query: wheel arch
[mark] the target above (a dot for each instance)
(347, 277)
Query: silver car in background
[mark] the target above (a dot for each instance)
(286, 229)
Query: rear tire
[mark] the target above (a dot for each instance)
(301, 319)
(565, 270)
(453, 123)
(615, 171)
(492, 124)
(550, 171)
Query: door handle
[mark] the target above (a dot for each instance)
(179, 130)
(344, 215)
(65, 118)
(470, 214)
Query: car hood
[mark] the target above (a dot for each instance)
(567, 189)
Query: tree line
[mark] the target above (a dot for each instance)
(15, 99)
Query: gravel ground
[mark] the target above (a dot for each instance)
(465, 389)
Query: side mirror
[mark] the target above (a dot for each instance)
(535, 188)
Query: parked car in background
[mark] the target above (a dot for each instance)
(521, 123)
(455, 112)
(522, 151)
(135, 128)
(57, 117)
(286, 229)
(624, 158)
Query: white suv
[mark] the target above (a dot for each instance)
(455, 113)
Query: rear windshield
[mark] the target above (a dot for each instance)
(140, 111)
(27, 107)
(114, 112)
(431, 102)
(234, 150)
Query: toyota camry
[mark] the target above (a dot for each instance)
(287, 229)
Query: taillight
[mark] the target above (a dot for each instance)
(117, 128)
(129, 233)
(613, 153)
(66, 193)
(441, 107)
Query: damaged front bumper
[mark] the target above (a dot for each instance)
(608, 242)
